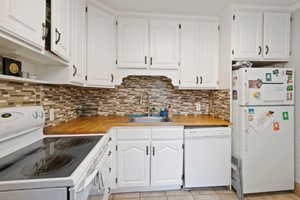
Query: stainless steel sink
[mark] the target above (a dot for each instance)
(149, 119)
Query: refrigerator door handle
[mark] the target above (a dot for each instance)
(246, 93)
(246, 132)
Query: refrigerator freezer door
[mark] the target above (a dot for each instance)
(264, 86)
(268, 149)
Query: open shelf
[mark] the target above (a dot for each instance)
(23, 80)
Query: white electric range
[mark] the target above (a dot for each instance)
(34, 167)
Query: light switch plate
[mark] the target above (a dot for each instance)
(51, 114)
(198, 107)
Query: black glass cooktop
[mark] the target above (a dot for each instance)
(47, 158)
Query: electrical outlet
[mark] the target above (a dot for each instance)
(198, 107)
(51, 114)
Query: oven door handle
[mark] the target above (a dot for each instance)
(88, 180)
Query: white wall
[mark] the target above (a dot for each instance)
(295, 63)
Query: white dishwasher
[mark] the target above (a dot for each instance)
(207, 157)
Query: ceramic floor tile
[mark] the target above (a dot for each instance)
(180, 197)
(178, 193)
(259, 197)
(153, 194)
(155, 198)
(207, 197)
(224, 191)
(93, 198)
(126, 196)
(228, 196)
(285, 196)
(203, 191)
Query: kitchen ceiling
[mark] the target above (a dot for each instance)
(203, 7)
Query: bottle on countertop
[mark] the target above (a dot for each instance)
(170, 111)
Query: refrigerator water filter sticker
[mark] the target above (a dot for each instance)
(285, 116)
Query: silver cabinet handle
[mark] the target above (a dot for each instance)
(153, 151)
(201, 79)
(197, 80)
(74, 70)
(147, 150)
(59, 36)
(267, 49)
(146, 60)
(112, 78)
(45, 31)
(260, 50)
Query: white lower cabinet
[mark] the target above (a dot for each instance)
(133, 163)
(146, 159)
(166, 162)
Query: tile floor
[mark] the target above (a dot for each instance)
(203, 194)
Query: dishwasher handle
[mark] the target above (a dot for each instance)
(207, 134)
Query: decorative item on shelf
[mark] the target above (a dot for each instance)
(12, 67)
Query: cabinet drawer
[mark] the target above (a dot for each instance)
(133, 133)
(167, 133)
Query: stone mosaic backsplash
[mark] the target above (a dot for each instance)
(63, 99)
(132, 96)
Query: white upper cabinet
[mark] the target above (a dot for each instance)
(164, 44)
(133, 42)
(78, 36)
(277, 36)
(247, 35)
(60, 28)
(100, 48)
(208, 55)
(189, 55)
(258, 36)
(199, 54)
(166, 162)
(24, 20)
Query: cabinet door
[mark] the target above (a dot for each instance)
(60, 28)
(101, 48)
(133, 163)
(189, 55)
(164, 44)
(24, 19)
(277, 28)
(208, 55)
(166, 163)
(78, 49)
(133, 43)
(247, 35)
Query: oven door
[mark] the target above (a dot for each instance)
(82, 192)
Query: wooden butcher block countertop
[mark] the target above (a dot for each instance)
(101, 124)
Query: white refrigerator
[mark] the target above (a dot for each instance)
(263, 128)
